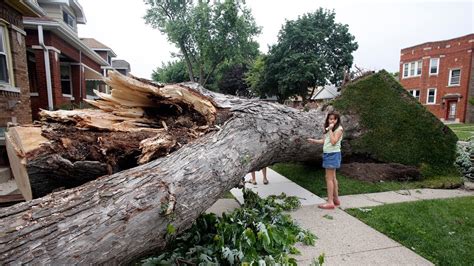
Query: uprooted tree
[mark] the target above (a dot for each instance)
(204, 143)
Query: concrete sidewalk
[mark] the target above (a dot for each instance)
(347, 241)
(381, 198)
(277, 184)
(341, 237)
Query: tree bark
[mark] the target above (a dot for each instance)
(124, 216)
(138, 122)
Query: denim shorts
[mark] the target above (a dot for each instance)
(332, 160)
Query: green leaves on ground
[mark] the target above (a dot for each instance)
(258, 232)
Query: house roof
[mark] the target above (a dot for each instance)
(436, 42)
(26, 7)
(73, 4)
(96, 45)
(120, 64)
(65, 33)
(327, 92)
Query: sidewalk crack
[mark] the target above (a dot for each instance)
(362, 251)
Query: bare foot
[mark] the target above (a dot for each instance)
(326, 206)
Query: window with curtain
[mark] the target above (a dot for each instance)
(454, 77)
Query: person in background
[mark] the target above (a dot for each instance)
(265, 180)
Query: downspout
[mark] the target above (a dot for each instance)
(104, 73)
(47, 68)
(80, 78)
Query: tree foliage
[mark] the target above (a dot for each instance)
(417, 137)
(258, 233)
(311, 51)
(171, 72)
(254, 76)
(206, 33)
(233, 81)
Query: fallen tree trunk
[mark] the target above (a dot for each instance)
(121, 217)
(124, 216)
(138, 122)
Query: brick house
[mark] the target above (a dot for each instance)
(107, 54)
(59, 62)
(14, 87)
(440, 75)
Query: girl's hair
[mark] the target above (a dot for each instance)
(326, 123)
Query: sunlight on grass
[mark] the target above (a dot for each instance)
(442, 231)
(463, 131)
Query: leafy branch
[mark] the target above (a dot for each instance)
(259, 232)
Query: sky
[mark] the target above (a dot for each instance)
(381, 28)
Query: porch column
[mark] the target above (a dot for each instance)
(78, 83)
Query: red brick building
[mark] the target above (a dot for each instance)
(59, 62)
(14, 87)
(107, 54)
(441, 76)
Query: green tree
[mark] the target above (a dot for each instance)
(233, 81)
(255, 76)
(311, 51)
(207, 33)
(172, 72)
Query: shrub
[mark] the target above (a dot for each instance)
(399, 128)
(463, 159)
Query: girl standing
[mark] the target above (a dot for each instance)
(331, 157)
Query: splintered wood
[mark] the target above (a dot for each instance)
(138, 122)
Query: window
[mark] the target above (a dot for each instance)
(415, 93)
(454, 77)
(66, 87)
(412, 69)
(418, 67)
(32, 77)
(68, 19)
(431, 99)
(4, 67)
(434, 66)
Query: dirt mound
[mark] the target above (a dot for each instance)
(380, 171)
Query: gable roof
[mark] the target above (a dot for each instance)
(327, 92)
(120, 64)
(96, 45)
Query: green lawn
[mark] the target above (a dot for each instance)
(463, 131)
(312, 178)
(442, 231)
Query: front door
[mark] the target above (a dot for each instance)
(452, 106)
